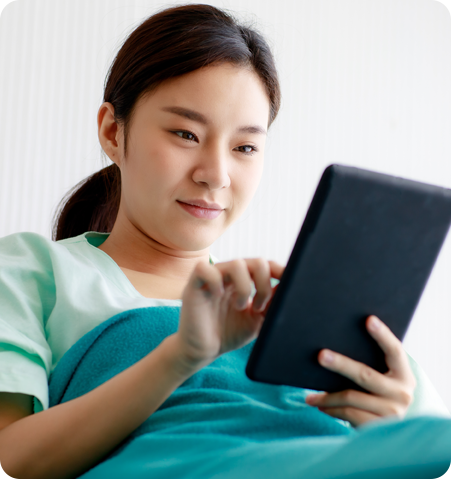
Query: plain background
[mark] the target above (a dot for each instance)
(365, 83)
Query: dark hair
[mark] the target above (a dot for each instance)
(172, 42)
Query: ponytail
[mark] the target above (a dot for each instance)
(91, 205)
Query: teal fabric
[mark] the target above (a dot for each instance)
(220, 424)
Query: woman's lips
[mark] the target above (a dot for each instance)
(198, 212)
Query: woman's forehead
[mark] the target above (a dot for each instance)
(211, 92)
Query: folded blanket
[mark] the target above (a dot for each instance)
(219, 397)
(220, 424)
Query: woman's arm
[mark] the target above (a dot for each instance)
(14, 406)
(68, 439)
(216, 317)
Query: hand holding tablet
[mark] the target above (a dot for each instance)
(392, 391)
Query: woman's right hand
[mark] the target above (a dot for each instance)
(211, 321)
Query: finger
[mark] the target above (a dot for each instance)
(276, 271)
(268, 304)
(236, 273)
(366, 377)
(395, 356)
(380, 406)
(260, 272)
(355, 416)
(208, 279)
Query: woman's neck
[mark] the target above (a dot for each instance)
(141, 254)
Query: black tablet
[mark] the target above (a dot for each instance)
(367, 246)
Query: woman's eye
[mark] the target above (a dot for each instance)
(186, 135)
(248, 149)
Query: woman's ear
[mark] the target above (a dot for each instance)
(110, 134)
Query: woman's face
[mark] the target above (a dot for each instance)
(199, 136)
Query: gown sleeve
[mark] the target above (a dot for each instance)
(27, 297)
(426, 399)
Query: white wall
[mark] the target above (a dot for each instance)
(365, 83)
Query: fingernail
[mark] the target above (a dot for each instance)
(199, 283)
(312, 399)
(241, 303)
(374, 323)
(258, 305)
(328, 357)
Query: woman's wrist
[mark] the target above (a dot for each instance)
(183, 365)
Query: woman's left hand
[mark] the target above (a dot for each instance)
(392, 391)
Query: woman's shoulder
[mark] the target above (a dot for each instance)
(27, 236)
(26, 262)
(33, 251)
(27, 240)
(16, 244)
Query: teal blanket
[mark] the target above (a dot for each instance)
(220, 424)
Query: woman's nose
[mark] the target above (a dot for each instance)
(213, 168)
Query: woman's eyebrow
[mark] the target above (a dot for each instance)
(252, 129)
(186, 113)
(196, 116)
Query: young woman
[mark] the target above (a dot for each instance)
(187, 106)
